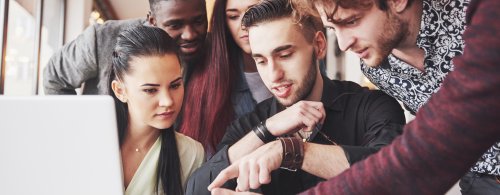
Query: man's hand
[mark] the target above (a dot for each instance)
(252, 170)
(302, 114)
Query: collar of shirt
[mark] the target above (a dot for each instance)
(440, 24)
(333, 90)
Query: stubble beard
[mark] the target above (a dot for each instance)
(395, 31)
(305, 89)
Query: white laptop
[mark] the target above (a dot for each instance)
(59, 145)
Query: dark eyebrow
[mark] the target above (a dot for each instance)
(281, 48)
(174, 21)
(199, 16)
(257, 55)
(181, 21)
(177, 79)
(276, 50)
(150, 85)
(157, 85)
(345, 20)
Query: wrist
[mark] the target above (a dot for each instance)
(263, 133)
(293, 153)
(270, 127)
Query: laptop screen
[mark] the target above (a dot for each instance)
(59, 145)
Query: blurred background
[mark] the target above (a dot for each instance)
(32, 30)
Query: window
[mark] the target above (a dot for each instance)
(2, 22)
(2, 11)
(34, 32)
(52, 34)
(20, 60)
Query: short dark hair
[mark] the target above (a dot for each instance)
(154, 8)
(271, 10)
(152, 5)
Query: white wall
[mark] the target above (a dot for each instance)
(347, 63)
(77, 18)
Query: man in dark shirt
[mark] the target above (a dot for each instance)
(341, 122)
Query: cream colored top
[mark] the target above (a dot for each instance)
(191, 155)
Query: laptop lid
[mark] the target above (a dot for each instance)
(59, 145)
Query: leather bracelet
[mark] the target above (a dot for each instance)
(293, 153)
(261, 131)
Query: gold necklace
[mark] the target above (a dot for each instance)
(308, 133)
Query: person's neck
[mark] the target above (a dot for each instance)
(187, 61)
(317, 91)
(249, 63)
(407, 50)
(140, 137)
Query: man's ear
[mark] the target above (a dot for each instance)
(320, 44)
(151, 19)
(119, 90)
(398, 6)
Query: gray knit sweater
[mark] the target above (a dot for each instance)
(87, 59)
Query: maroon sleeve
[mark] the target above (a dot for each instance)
(450, 132)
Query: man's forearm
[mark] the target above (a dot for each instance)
(243, 147)
(325, 161)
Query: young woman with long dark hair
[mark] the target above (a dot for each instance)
(227, 85)
(146, 84)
